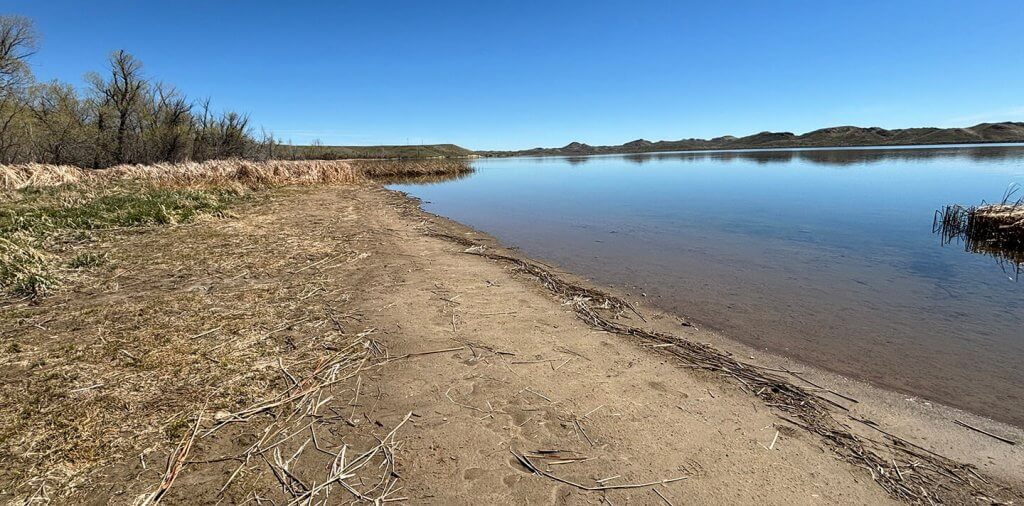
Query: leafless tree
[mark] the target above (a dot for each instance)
(234, 134)
(18, 41)
(169, 124)
(62, 120)
(124, 91)
(121, 118)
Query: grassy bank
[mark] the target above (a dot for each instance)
(44, 232)
(50, 213)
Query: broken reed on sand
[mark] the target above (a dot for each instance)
(233, 171)
(906, 471)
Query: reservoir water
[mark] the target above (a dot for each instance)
(823, 255)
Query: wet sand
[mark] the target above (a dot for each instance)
(826, 256)
(511, 369)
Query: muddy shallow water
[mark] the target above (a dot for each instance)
(827, 256)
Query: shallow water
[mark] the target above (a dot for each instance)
(826, 256)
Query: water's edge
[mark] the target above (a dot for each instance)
(926, 412)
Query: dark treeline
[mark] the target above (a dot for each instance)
(119, 116)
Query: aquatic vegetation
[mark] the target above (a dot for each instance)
(996, 230)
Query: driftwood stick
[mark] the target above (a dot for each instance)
(421, 353)
(529, 465)
(989, 434)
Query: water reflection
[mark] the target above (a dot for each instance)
(838, 157)
(992, 230)
(835, 267)
(425, 179)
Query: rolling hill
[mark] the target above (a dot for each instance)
(839, 136)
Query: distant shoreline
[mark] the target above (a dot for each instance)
(906, 147)
(825, 138)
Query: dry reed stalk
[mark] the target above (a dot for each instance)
(525, 461)
(232, 171)
(378, 169)
(296, 409)
(992, 229)
(175, 463)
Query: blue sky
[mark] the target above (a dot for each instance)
(502, 75)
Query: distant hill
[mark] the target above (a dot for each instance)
(349, 152)
(840, 136)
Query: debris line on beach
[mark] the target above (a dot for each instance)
(905, 470)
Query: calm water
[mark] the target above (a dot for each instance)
(823, 255)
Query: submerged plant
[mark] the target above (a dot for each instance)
(996, 230)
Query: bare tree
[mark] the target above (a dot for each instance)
(124, 91)
(62, 120)
(234, 134)
(18, 41)
(168, 124)
(267, 144)
(121, 118)
(204, 136)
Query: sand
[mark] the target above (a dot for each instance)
(511, 370)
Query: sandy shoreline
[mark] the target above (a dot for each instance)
(511, 372)
(921, 419)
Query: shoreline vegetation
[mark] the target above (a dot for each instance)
(124, 116)
(234, 388)
(49, 213)
(996, 230)
(190, 312)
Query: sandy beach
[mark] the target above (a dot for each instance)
(338, 342)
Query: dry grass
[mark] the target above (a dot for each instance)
(212, 319)
(991, 229)
(188, 174)
(1006, 217)
(384, 169)
(43, 231)
(158, 328)
(24, 269)
(41, 205)
(228, 172)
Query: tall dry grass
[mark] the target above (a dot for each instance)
(42, 206)
(226, 172)
(209, 173)
(383, 169)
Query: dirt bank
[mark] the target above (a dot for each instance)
(337, 343)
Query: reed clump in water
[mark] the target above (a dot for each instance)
(385, 169)
(992, 229)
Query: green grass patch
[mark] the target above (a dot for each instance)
(87, 259)
(25, 270)
(37, 222)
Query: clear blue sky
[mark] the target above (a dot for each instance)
(498, 75)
